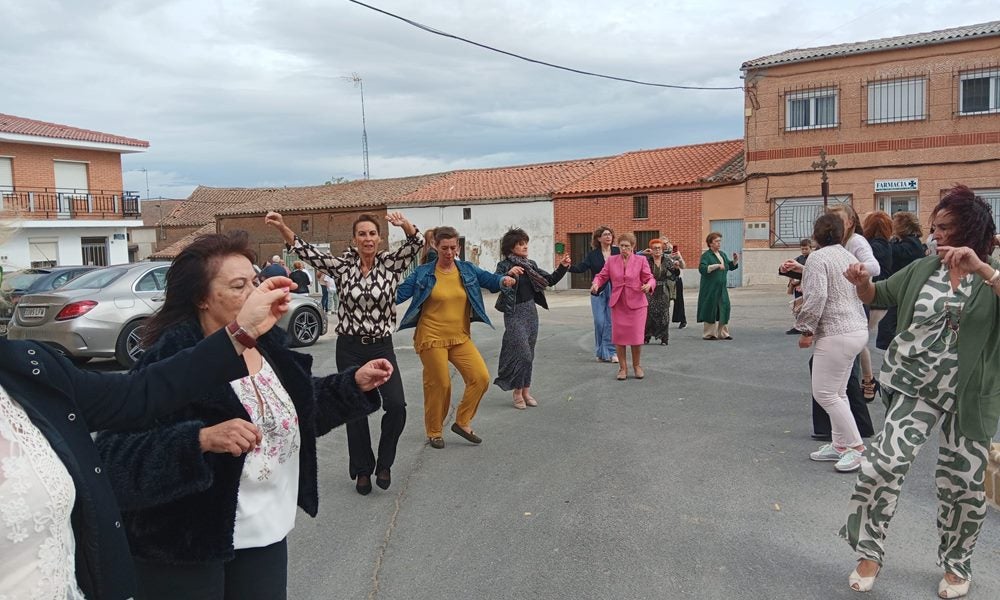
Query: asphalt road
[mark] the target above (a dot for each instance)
(692, 483)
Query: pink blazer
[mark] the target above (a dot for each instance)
(626, 282)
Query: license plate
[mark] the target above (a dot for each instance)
(32, 312)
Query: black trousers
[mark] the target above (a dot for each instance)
(859, 408)
(679, 315)
(351, 352)
(254, 574)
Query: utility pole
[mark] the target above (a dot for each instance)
(822, 165)
(358, 83)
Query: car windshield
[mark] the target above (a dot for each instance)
(95, 279)
(21, 280)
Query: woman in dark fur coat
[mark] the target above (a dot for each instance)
(210, 495)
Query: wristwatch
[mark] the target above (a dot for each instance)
(241, 335)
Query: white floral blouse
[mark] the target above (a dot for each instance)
(36, 499)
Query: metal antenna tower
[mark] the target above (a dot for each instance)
(358, 83)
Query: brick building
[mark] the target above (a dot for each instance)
(682, 192)
(483, 204)
(905, 118)
(321, 214)
(200, 208)
(62, 188)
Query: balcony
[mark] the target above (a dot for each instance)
(60, 203)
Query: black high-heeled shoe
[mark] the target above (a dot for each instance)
(364, 484)
(383, 482)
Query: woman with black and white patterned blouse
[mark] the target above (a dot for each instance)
(366, 279)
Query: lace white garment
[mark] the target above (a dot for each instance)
(36, 499)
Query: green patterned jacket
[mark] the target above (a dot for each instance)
(978, 386)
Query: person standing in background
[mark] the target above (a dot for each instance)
(713, 294)
(603, 248)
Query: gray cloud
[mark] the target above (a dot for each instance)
(251, 93)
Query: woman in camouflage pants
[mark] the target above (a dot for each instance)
(942, 367)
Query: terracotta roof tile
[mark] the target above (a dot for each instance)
(941, 36)
(23, 126)
(156, 209)
(351, 194)
(171, 251)
(734, 171)
(204, 203)
(655, 169)
(524, 181)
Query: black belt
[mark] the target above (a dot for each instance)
(366, 339)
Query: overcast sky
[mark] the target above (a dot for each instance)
(252, 93)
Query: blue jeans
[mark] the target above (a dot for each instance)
(325, 301)
(599, 305)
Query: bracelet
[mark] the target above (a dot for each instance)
(992, 281)
(241, 335)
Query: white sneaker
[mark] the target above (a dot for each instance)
(826, 452)
(849, 461)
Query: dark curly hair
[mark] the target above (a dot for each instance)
(510, 239)
(973, 219)
(828, 230)
(595, 241)
(189, 277)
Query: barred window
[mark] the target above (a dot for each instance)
(643, 238)
(979, 91)
(640, 207)
(897, 100)
(794, 217)
(811, 109)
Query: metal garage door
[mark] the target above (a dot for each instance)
(732, 241)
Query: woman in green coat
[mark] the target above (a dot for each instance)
(713, 295)
(943, 367)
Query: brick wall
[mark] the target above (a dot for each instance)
(939, 150)
(32, 165)
(332, 227)
(677, 214)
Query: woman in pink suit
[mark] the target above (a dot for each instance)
(631, 280)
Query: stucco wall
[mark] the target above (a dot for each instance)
(485, 228)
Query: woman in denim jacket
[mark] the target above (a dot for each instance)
(449, 289)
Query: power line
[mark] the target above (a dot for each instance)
(535, 61)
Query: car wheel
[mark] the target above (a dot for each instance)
(128, 348)
(305, 327)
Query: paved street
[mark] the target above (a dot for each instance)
(692, 483)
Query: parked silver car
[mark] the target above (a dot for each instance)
(100, 314)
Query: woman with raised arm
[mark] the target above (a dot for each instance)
(520, 316)
(446, 298)
(207, 517)
(366, 278)
(941, 369)
(61, 536)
